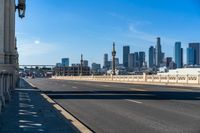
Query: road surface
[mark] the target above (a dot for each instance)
(127, 108)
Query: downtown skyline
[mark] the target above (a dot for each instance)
(90, 27)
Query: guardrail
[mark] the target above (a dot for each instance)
(6, 84)
(166, 79)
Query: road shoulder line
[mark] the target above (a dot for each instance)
(74, 121)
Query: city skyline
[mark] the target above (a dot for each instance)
(90, 27)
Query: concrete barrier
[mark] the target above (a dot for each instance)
(163, 79)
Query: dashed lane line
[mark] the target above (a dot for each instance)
(135, 89)
(134, 101)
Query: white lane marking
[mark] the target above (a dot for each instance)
(134, 101)
(79, 125)
(134, 89)
(74, 87)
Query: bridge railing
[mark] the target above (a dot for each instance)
(6, 84)
(166, 79)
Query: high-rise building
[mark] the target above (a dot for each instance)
(158, 52)
(168, 61)
(182, 57)
(105, 61)
(65, 62)
(126, 51)
(136, 61)
(178, 55)
(131, 61)
(141, 59)
(96, 68)
(196, 47)
(190, 56)
(85, 63)
(151, 57)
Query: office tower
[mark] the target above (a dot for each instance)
(182, 57)
(168, 61)
(178, 55)
(96, 68)
(126, 51)
(136, 61)
(196, 47)
(105, 61)
(151, 57)
(158, 53)
(65, 62)
(190, 56)
(131, 61)
(85, 63)
(141, 59)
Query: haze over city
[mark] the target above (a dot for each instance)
(90, 27)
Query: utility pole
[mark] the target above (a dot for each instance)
(113, 59)
(81, 65)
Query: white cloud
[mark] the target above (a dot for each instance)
(35, 49)
(37, 42)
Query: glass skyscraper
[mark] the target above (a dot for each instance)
(196, 47)
(178, 55)
(126, 51)
(158, 53)
(151, 57)
(190, 56)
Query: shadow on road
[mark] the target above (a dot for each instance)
(116, 95)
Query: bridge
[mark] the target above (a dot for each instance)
(104, 104)
(33, 66)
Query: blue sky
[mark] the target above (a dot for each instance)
(54, 29)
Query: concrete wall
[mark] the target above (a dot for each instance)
(8, 54)
(148, 79)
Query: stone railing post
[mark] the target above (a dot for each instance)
(177, 78)
(144, 77)
(168, 78)
(187, 78)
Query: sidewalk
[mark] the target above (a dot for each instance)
(29, 112)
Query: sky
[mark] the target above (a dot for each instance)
(55, 29)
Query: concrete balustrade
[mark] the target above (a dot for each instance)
(163, 79)
(6, 85)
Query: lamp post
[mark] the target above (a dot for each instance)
(21, 8)
(113, 59)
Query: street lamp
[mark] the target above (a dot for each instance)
(21, 8)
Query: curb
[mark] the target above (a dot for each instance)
(77, 124)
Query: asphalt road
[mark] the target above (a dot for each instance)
(127, 108)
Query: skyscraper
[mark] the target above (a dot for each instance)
(178, 55)
(190, 56)
(85, 63)
(126, 51)
(65, 62)
(168, 61)
(151, 57)
(141, 59)
(196, 47)
(158, 53)
(131, 61)
(136, 61)
(105, 61)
